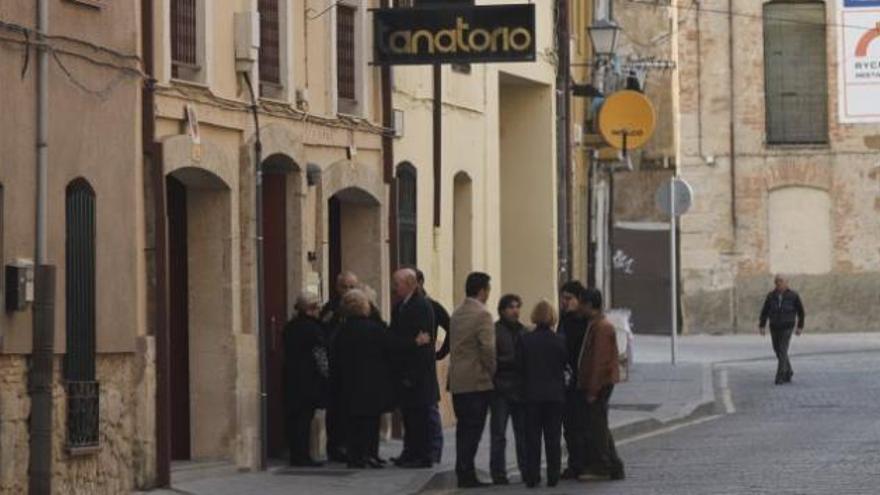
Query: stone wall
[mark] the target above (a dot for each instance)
(120, 460)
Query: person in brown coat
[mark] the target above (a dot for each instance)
(596, 375)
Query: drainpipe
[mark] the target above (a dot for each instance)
(42, 354)
(563, 151)
(388, 155)
(732, 82)
(261, 315)
(152, 152)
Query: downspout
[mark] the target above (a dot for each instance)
(42, 354)
(388, 157)
(153, 159)
(732, 82)
(261, 316)
(563, 81)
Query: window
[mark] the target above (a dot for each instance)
(345, 51)
(406, 215)
(795, 72)
(270, 42)
(79, 361)
(187, 35)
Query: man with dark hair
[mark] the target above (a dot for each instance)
(412, 341)
(572, 327)
(441, 320)
(597, 372)
(783, 308)
(507, 399)
(471, 371)
(332, 319)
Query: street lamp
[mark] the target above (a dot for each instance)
(603, 36)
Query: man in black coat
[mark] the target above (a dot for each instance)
(573, 327)
(412, 340)
(333, 319)
(507, 401)
(441, 320)
(784, 309)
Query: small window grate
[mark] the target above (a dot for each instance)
(183, 34)
(345, 51)
(83, 415)
(270, 42)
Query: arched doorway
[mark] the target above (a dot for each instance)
(355, 237)
(462, 228)
(202, 355)
(281, 180)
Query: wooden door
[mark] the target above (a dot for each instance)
(275, 301)
(641, 276)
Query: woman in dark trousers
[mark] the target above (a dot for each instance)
(366, 380)
(543, 359)
(305, 376)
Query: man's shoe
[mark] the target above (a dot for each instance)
(779, 381)
(552, 482)
(617, 476)
(500, 481)
(531, 484)
(415, 465)
(472, 483)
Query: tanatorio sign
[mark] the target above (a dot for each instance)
(443, 34)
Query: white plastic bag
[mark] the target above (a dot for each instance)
(621, 318)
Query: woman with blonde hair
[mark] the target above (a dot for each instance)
(365, 376)
(305, 376)
(542, 357)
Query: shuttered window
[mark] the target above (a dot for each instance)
(795, 72)
(345, 51)
(270, 42)
(184, 34)
(79, 361)
(406, 215)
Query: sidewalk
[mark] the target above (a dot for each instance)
(657, 394)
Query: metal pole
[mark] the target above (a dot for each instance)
(672, 267)
(437, 143)
(42, 354)
(261, 315)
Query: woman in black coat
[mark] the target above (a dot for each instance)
(305, 376)
(366, 380)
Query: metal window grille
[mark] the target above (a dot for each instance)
(83, 414)
(184, 36)
(345, 51)
(79, 361)
(406, 215)
(270, 42)
(795, 73)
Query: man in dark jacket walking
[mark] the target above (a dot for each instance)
(507, 399)
(573, 326)
(783, 309)
(412, 340)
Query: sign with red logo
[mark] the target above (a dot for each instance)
(859, 61)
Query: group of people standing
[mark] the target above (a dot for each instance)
(556, 375)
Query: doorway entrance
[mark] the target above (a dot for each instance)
(202, 367)
(354, 231)
(462, 232)
(640, 271)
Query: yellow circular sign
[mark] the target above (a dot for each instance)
(627, 120)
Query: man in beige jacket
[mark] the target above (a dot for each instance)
(471, 370)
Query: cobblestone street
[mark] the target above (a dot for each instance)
(819, 435)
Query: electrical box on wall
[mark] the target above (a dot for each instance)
(19, 285)
(247, 40)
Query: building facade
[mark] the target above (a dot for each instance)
(782, 184)
(95, 238)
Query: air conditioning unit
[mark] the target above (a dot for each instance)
(247, 40)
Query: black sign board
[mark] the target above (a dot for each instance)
(454, 33)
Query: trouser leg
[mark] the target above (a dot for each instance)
(575, 428)
(436, 434)
(602, 446)
(336, 425)
(551, 419)
(518, 418)
(498, 436)
(471, 410)
(781, 341)
(299, 434)
(417, 433)
(532, 473)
